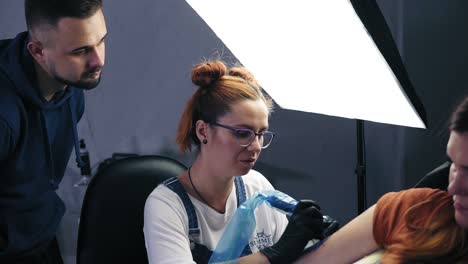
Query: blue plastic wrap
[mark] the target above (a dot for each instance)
(242, 225)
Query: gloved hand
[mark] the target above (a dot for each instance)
(306, 223)
(330, 226)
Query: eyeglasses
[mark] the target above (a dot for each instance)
(246, 136)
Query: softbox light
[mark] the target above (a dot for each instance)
(319, 56)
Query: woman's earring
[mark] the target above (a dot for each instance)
(205, 141)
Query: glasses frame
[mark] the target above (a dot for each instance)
(235, 130)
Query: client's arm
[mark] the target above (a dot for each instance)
(348, 244)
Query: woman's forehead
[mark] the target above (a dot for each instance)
(247, 112)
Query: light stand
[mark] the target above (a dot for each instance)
(361, 167)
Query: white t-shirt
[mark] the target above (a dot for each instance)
(166, 222)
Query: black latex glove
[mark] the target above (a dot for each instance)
(306, 223)
(330, 226)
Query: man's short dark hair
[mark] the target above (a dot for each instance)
(459, 120)
(51, 11)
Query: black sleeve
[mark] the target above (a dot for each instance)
(436, 179)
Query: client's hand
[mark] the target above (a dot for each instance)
(305, 224)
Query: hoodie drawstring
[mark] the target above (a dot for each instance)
(79, 162)
(49, 151)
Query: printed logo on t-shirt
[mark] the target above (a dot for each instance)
(261, 240)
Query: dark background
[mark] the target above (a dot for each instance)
(151, 47)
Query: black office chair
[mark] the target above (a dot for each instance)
(437, 178)
(111, 222)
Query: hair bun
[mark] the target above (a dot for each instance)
(205, 74)
(243, 73)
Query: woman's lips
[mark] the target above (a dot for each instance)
(249, 161)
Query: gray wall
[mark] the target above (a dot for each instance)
(150, 50)
(436, 55)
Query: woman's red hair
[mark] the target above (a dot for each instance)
(218, 89)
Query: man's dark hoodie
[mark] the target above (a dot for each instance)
(36, 139)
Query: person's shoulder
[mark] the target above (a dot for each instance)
(426, 194)
(10, 104)
(409, 197)
(4, 46)
(6, 86)
(4, 43)
(8, 98)
(162, 202)
(163, 195)
(420, 193)
(162, 192)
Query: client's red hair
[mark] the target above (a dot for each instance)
(431, 239)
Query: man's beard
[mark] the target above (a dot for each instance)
(82, 83)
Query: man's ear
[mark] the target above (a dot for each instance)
(201, 128)
(36, 49)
